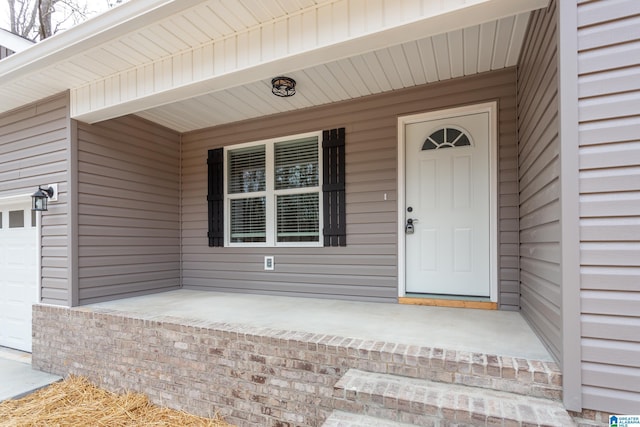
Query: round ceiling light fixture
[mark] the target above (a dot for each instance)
(283, 86)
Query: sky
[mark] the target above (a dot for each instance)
(94, 7)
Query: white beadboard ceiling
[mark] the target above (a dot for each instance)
(473, 50)
(190, 64)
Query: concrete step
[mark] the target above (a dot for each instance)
(428, 403)
(349, 419)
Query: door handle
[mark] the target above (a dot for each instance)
(409, 226)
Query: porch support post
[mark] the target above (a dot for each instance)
(73, 298)
(569, 204)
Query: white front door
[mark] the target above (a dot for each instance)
(447, 198)
(18, 274)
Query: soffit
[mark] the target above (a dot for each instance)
(490, 46)
(190, 64)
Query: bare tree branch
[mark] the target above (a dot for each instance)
(22, 14)
(39, 19)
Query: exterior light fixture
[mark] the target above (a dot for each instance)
(40, 198)
(283, 86)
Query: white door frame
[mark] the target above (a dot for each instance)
(492, 109)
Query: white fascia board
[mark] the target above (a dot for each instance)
(123, 19)
(86, 107)
(13, 41)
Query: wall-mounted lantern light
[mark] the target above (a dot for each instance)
(283, 86)
(40, 199)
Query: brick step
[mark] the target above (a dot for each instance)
(428, 403)
(349, 419)
(527, 377)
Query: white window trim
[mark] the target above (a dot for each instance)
(270, 193)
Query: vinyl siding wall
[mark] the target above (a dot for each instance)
(538, 174)
(609, 138)
(4, 52)
(367, 268)
(34, 147)
(128, 209)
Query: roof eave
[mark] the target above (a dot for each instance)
(104, 27)
(13, 41)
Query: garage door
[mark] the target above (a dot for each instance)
(18, 273)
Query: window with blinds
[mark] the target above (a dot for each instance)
(273, 192)
(296, 164)
(298, 219)
(248, 220)
(247, 185)
(297, 213)
(247, 170)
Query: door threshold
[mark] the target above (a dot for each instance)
(456, 301)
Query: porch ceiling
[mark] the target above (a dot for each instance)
(488, 46)
(191, 64)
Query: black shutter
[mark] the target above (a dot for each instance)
(215, 197)
(335, 229)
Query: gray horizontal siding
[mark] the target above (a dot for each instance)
(128, 213)
(34, 144)
(538, 175)
(367, 268)
(609, 96)
(4, 52)
(508, 221)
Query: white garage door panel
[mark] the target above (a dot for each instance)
(18, 277)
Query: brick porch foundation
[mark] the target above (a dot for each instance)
(252, 376)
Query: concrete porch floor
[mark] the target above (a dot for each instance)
(491, 332)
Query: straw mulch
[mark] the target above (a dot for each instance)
(77, 402)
